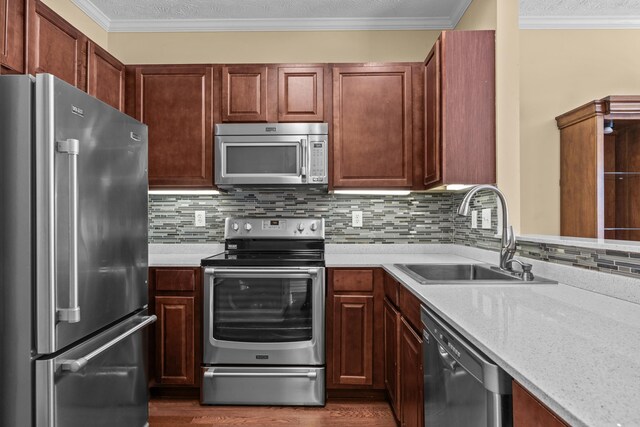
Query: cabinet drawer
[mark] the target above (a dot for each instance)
(353, 280)
(410, 307)
(182, 279)
(530, 412)
(391, 287)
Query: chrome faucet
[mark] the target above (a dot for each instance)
(508, 248)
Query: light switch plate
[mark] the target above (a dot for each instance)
(356, 218)
(200, 219)
(486, 218)
(474, 219)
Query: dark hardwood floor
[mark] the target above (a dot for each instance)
(337, 413)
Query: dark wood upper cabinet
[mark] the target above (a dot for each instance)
(432, 140)
(55, 46)
(300, 94)
(460, 109)
(12, 36)
(372, 126)
(244, 93)
(176, 103)
(105, 77)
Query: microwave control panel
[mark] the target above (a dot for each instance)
(317, 162)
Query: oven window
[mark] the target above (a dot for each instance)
(252, 159)
(262, 310)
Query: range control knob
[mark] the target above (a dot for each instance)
(300, 227)
(314, 226)
(247, 227)
(235, 226)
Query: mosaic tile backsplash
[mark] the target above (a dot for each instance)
(417, 218)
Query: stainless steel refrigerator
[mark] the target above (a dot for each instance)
(73, 258)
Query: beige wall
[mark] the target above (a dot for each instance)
(480, 15)
(561, 70)
(268, 47)
(80, 20)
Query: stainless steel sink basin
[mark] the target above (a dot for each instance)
(443, 274)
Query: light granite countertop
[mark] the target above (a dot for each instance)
(576, 350)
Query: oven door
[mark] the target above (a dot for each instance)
(264, 316)
(258, 160)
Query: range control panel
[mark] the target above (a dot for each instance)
(274, 228)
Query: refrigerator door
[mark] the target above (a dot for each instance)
(91, 214)
(101, 382)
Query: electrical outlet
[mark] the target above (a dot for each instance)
(356, 218)
(474, 219)
(486, 218)
(200, 219)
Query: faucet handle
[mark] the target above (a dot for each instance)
(526, 273)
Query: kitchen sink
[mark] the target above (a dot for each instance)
(460, 274)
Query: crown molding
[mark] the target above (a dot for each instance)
(579, 22)
(94, 13)
(289, 24)
(459, 12)
(308, 24)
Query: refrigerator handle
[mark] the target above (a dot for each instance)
(72, 313)
(77, 364)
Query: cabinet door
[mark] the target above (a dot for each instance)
(352, 339)
(12, 47)
(176, 103)
(391, 350)
(244, 93)
(105, 77)
(530, 412)
(372, 125)
(56, 47)
(300, 94)
(175, 337)
(411, 377)
(432, 140)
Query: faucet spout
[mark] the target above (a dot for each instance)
(508, 241)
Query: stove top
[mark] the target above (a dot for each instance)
(271, 242)
(265, 259)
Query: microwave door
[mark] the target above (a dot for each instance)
(267, 160)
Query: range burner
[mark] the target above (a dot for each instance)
(277, 242)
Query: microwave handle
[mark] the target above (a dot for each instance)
(303, 165)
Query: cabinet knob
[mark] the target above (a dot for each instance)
(247, 227)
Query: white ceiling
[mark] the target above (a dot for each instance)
(277, 15)
(284, 15)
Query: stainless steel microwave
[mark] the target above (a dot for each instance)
(271, 155)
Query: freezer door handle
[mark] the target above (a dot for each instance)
(312, 375)
(77, 364)
(71, 147)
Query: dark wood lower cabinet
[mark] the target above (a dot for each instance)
(411, 377)
(530, 412)
(403, 354)
(175, 342)
(391, 350)
(175, 335)
(354, 330)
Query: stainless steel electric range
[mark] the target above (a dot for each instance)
(264, 304)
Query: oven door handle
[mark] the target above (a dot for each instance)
(262, 271)
(312, 375)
